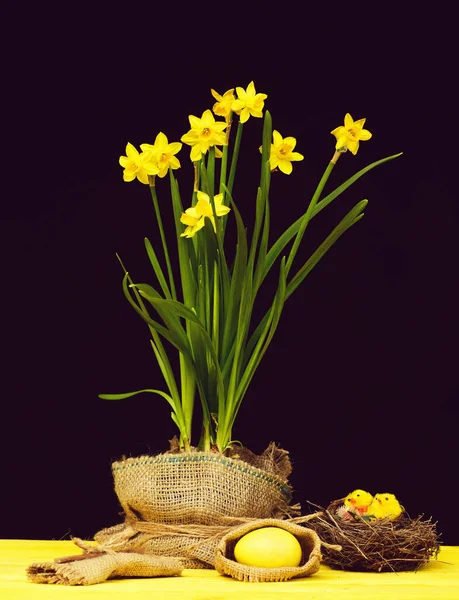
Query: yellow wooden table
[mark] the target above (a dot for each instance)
(439, 580)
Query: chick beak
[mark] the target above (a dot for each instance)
(379, 500)
(352, 501)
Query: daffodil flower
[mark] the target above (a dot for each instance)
(204, 133)
(282, 154)
(194, 217)
(193, 220)
(248, 103)
(137, 164)
(223, 106)
(349, 136)
(163, 153)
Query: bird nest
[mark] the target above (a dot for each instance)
(402, 544)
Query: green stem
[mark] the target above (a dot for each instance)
(308, 214)
(163, 238)
(237, 145)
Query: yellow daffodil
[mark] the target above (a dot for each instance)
(350, 135)
(204, 133)
(194, 217)
(193, 220)
(282, 154)
(223, 106)
(248, 103)
(137, 164)
(163, 153)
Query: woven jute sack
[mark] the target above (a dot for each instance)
(308, 539)
(197, 488)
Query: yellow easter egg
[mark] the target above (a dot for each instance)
(268, 547)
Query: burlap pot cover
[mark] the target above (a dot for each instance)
(197, 488)
(310, 561)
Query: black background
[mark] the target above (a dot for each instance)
(360, 383)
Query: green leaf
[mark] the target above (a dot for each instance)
(352, 217)
(157, 268)
(170, 335)
(237, 281)
(339, 190)
(129, 394)
(185, 246)
(285, 238)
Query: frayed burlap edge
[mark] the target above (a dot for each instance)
(309, 541)
(96, 566)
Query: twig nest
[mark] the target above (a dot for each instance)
(401, 544)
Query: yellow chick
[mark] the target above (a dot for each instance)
(385, 506)
(358, 501)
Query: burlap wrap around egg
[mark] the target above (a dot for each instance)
(226, 564)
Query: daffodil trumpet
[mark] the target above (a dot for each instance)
(204, 309)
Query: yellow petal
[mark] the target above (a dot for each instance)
(291, 141)
(364, 134)
(245, 114)
(353, 146)
(174, 147)
(348, 121)
(131, 151)
(192, 212)
(147, 147)
(207, 119)
(142, 176)
(216, 96)
(203, 196)
(251, 89)
(285, 166)
(341, 141)
(277, 138)
(237, 106)
(188, 219)
(241, 93)
(339, 131)
(273, 161)
(222, 210)
(359, 123)
(123, 160)
(256, 112)
(128, 175)
(161, 140)
(174, 162)
(203, 207)
(296, 156)
(200, 224)
(194, 122)
(218, 152)
(190, 138)
(195, 153)
(219, 126)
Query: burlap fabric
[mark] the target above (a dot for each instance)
(310, 561)
(181, 505)
(95, 566)
(197, 488)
